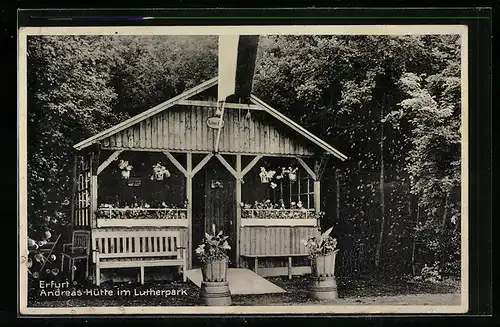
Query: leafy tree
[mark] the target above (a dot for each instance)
(432, 110)
(69, 99)
(342, 88)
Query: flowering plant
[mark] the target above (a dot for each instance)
(266, 176)
(137, 211)
(321, 245)
(213, 247)
(159, 171)
(124, 165)
(38, 259)
(269, 210)
(292, 173)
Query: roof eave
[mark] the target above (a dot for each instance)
(301, 130)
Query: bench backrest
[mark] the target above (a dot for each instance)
(129, 244)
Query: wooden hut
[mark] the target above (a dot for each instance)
(217, 160)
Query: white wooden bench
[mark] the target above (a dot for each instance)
(137, 249)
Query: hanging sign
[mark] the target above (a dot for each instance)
(215, 122)
(134, 181)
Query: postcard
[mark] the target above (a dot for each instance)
(243, 169)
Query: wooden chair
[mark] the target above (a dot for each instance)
(46, 250)
(78, 249)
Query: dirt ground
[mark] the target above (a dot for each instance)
(362, 291)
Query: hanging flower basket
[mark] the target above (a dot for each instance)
(126, 174)
(266, 176)
(125, 168)
(160, 172)
(292, 174)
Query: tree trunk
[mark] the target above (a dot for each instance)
(443, 232)
(382, 194)
(337, 194)
(414, 244)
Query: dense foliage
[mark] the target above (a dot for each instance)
(391, 104)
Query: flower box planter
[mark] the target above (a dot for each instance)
(279, 222)
(141, 222)
(278, 217)
(119, 217)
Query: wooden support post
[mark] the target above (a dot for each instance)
(74, 190)
(320, 165)
(189, 198)
(238, 207)
(250, 165)
(228, 166)
(201, 164)
(337, 194)
(306, 167)
(93, 190)
(317, 196)
(106, 162)
(93, 201)
(176, 163)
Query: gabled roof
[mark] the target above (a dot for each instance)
(198, 89)
(146, 114)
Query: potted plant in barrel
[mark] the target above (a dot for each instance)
(212, 253)
(322, 253)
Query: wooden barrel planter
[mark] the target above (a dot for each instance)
(323, 288)
(215, 293)
(214, 287)
(323, 285)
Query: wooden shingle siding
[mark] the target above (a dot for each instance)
(184, 128)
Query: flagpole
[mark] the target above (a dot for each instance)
(220, 127)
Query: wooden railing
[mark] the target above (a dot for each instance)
(131, 217)
(278, 217)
